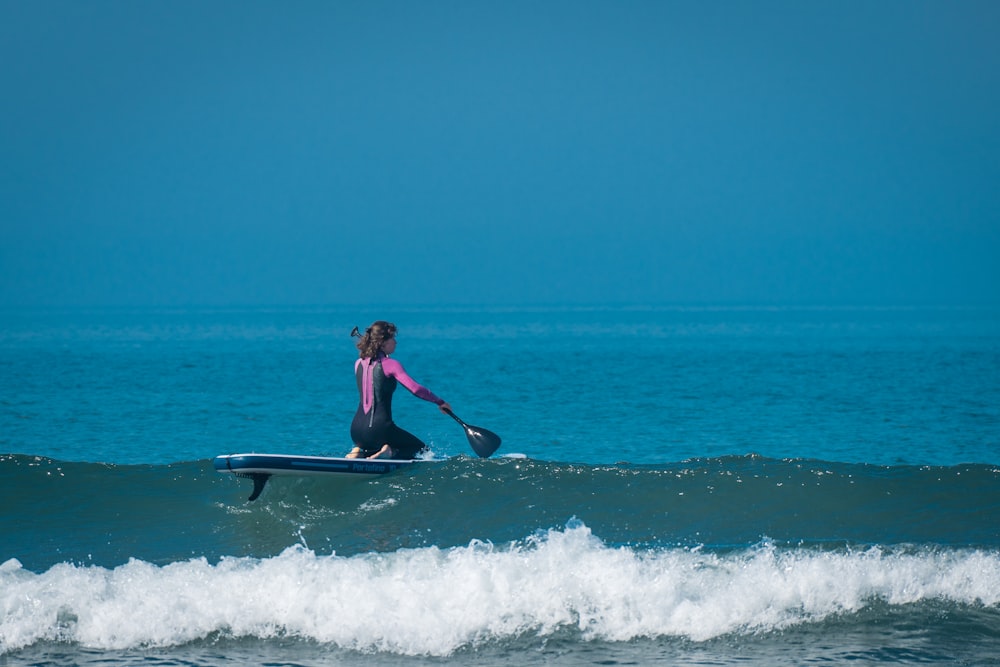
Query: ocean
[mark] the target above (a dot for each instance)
(676, 485)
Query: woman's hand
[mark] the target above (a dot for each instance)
(444, 407)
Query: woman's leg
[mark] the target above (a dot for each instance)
(403, 444)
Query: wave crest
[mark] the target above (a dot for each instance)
(433, 601)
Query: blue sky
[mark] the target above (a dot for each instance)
(499, 153)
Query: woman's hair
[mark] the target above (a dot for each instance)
(374, 336)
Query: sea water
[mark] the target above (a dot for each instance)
(675, 486)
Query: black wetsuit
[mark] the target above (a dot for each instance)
(372, 426)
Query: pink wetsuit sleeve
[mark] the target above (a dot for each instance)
(394, 369)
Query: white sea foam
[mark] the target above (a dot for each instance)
(434, 601)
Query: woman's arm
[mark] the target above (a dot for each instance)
(394, 369)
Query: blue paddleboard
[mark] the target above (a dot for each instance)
(260, 467)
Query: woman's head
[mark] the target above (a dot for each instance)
(374, 338)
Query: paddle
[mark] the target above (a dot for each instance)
(483, 442)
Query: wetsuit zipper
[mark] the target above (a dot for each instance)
(371, 417)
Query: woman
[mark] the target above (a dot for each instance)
(373, 432)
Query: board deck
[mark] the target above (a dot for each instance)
(260, 467)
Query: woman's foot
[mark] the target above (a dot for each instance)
(355, 453)
(384, 453)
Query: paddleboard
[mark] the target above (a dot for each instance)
(260, 467)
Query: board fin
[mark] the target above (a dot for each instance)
(259, 480)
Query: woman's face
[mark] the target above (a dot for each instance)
(389, 346)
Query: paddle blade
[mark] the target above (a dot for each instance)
(483, 442)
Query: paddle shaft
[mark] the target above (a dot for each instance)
(455, 417)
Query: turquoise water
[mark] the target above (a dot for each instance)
(676, 485)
